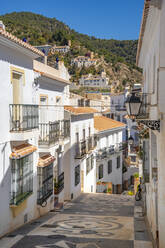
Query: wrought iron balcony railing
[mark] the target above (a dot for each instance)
(80, 149)
(23, 117)
(49, 133)
(119, 147)
(65, 129)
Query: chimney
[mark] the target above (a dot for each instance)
(2, 26)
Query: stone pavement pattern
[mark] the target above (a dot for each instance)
(90, 221)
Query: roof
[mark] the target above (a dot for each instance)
(106, 111)
(80, 110)
(22, 150)
(102, 123)
(14, 39)
(142, 29)
(46, 160)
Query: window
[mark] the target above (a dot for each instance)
(77, 175)
(118, 162)
(133, 159)
(45, 183)
(109, 166)
(89, 164)
(100, 171)
(83, 134)
(21, 179)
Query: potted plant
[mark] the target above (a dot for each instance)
(56, 186)
(109, 191)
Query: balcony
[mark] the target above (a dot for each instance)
(111, 150)
(119, 147)
(49, 133)
(23, 117)
(81, 149)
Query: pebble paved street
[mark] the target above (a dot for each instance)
(90, 221)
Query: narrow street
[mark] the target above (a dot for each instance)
(92, 220)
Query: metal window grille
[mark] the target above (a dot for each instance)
(45, 183)
(100, 171)
(21, 179)
(77, 175)
(118, 162)
(109, 166)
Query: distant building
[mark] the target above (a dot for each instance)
(81, 61)
(44, 48)
(60, 49)
(90, 80)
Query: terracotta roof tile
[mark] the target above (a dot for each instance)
(102, 123)
(22, 150)
(46, 160)
(80, 110)
(26, 45)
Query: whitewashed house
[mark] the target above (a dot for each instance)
(94, 80)
(19, 131)
(60, 49)
(81, 61)
(151, 58)
(34, 135)
(109, 154)
(54, 129)
(81, 166)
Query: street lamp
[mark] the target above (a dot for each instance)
(136, 109)
(130, 140)
(133, 105)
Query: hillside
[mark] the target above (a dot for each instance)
(41, 30)
(117, 57)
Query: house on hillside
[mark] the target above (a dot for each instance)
(81, 61)
(101, 81)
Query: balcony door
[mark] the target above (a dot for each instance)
(17, 87)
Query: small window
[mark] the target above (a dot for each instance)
(77, 175)
(101, 171)
(109, 166)
(118, 162)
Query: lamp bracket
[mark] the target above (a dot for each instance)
(152, 124)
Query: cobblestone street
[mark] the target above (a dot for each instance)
(90, 221)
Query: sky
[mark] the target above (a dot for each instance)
(107, 19)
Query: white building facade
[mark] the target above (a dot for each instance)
(151, 57)
(34, 134)
(83, 61)
(94, 81)
(109, 154)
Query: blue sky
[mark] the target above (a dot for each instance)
(117, 19)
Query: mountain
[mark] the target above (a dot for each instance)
(116, 57)
(40, 30)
